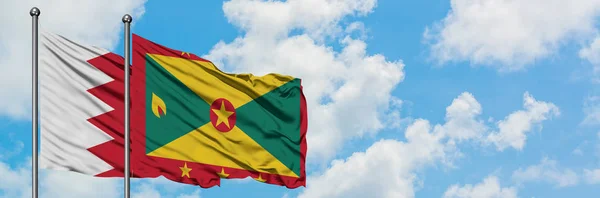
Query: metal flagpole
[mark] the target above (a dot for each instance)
(35, 13)
(127, 22)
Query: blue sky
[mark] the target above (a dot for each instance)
(432, 98)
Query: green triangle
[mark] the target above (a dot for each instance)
(185, 110)
(273, 121)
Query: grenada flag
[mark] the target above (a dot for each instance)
(197, 123)
(194, 124)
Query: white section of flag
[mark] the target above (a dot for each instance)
(65, 105)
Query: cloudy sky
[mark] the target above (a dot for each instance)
(430, 98)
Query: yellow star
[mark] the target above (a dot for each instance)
(260, 179)
(185, 171)
(222, 174)
(223, 115)
(188, 54)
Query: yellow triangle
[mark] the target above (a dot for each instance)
(233, 149)
(206, 80)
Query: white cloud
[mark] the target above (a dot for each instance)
(579, 149)
(393, 119)
(488, 188)
(591, 109)
(61, 184)
(510, 33)
(275, 18)
(513, 129)
(384, 170)
(388, 168)
(460, 122)
(348, 91)
(16, 182)
(592, 54)
(592, 176)
(547, 171)
(92, 22)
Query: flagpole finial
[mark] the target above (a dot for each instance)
(34, 11)
(127, 18)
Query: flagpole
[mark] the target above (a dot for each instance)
(35, 13)
(127, 22)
